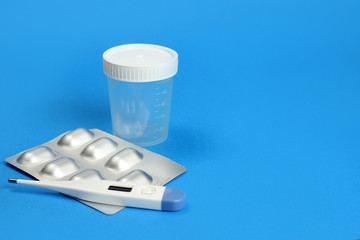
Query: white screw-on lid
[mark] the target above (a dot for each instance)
(140, 62)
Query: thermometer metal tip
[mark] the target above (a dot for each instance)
(12, 180)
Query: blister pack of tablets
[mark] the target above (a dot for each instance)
(84, 154)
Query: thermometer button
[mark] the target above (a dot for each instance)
(148, 190)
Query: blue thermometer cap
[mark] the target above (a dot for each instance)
(173, 200)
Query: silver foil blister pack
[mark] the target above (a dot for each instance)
(84, 154)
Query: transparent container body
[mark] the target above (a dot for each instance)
(140, 111)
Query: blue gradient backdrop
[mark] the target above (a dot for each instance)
(265, 114)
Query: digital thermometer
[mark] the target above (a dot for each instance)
(116, 193)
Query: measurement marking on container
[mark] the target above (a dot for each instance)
(160, 116)
(160, 129)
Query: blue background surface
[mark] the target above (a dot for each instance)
(265, 114)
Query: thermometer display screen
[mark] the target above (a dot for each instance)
(118, 188)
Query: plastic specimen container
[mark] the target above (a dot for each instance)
(140, 80)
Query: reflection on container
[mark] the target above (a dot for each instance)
(140, 111)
